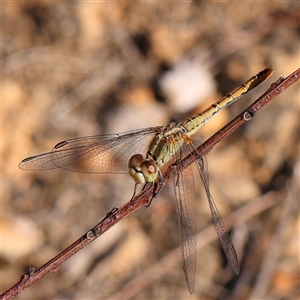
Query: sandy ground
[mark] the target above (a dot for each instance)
(81, 69)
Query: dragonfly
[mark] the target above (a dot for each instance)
(144, 154)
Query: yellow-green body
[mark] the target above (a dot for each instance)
(169, 141)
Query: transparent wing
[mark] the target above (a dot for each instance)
(187, 216)
(94, 154)
(217, 220)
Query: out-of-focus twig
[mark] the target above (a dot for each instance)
(267, 270)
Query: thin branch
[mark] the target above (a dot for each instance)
(146, 195)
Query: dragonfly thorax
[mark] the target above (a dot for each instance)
(166, 144)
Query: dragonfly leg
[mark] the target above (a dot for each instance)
(134, 191)
(113, 210)
(150, 200)
(159, 185)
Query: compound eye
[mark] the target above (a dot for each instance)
(149, 170)
(135, 161)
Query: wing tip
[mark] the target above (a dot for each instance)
(23, 163)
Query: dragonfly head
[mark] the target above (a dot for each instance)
(142, 169)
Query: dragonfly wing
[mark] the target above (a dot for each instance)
(217, 220)
(187, 216)
(94, 154)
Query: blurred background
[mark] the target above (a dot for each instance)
(81, 69)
